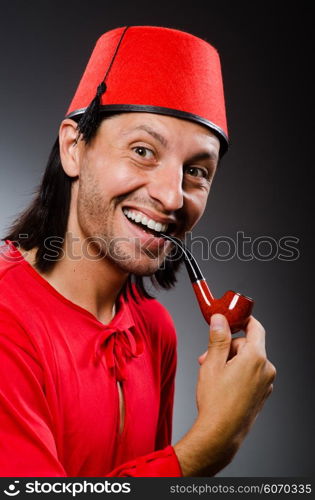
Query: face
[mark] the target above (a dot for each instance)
(142, 174)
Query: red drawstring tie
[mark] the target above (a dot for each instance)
(119, 346)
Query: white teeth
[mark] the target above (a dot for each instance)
(150, 223)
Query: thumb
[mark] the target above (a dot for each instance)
(220, 340)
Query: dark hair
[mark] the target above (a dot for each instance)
(47, 217)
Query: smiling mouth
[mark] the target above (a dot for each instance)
(148, 225)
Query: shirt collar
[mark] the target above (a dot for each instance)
(120, 342)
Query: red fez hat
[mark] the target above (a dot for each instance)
(155, 70)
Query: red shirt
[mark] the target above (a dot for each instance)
(59, 366)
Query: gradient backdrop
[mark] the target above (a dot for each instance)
(263, 187)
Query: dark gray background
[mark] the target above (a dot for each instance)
(263, 186)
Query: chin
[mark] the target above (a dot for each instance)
(141, 267)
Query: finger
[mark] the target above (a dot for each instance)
(202, 357)
(220, 340)
(272, 372)
(268, 392)
(255, 334)
(236, 345)
(270, 389)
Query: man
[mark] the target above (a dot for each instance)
(88, 359)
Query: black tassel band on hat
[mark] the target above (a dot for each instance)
(90, 119)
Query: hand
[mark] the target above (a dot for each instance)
(235, 379)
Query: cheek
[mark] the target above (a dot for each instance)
(89, 203)
(195, 207)
(118, 178)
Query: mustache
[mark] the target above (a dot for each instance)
(143, 202)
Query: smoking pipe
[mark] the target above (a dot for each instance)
(236, 307)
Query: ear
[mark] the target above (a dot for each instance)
(70, 147)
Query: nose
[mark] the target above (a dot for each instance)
(166, 186)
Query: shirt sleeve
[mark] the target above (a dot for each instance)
(27, 437)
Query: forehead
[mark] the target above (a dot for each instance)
(163, 128)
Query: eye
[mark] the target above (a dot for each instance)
(143, 152)
(197, 172)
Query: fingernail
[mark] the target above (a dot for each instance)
(217, 322)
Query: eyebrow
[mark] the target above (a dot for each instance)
(153, 133)
(204, 155)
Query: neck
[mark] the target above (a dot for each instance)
(86, 279)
